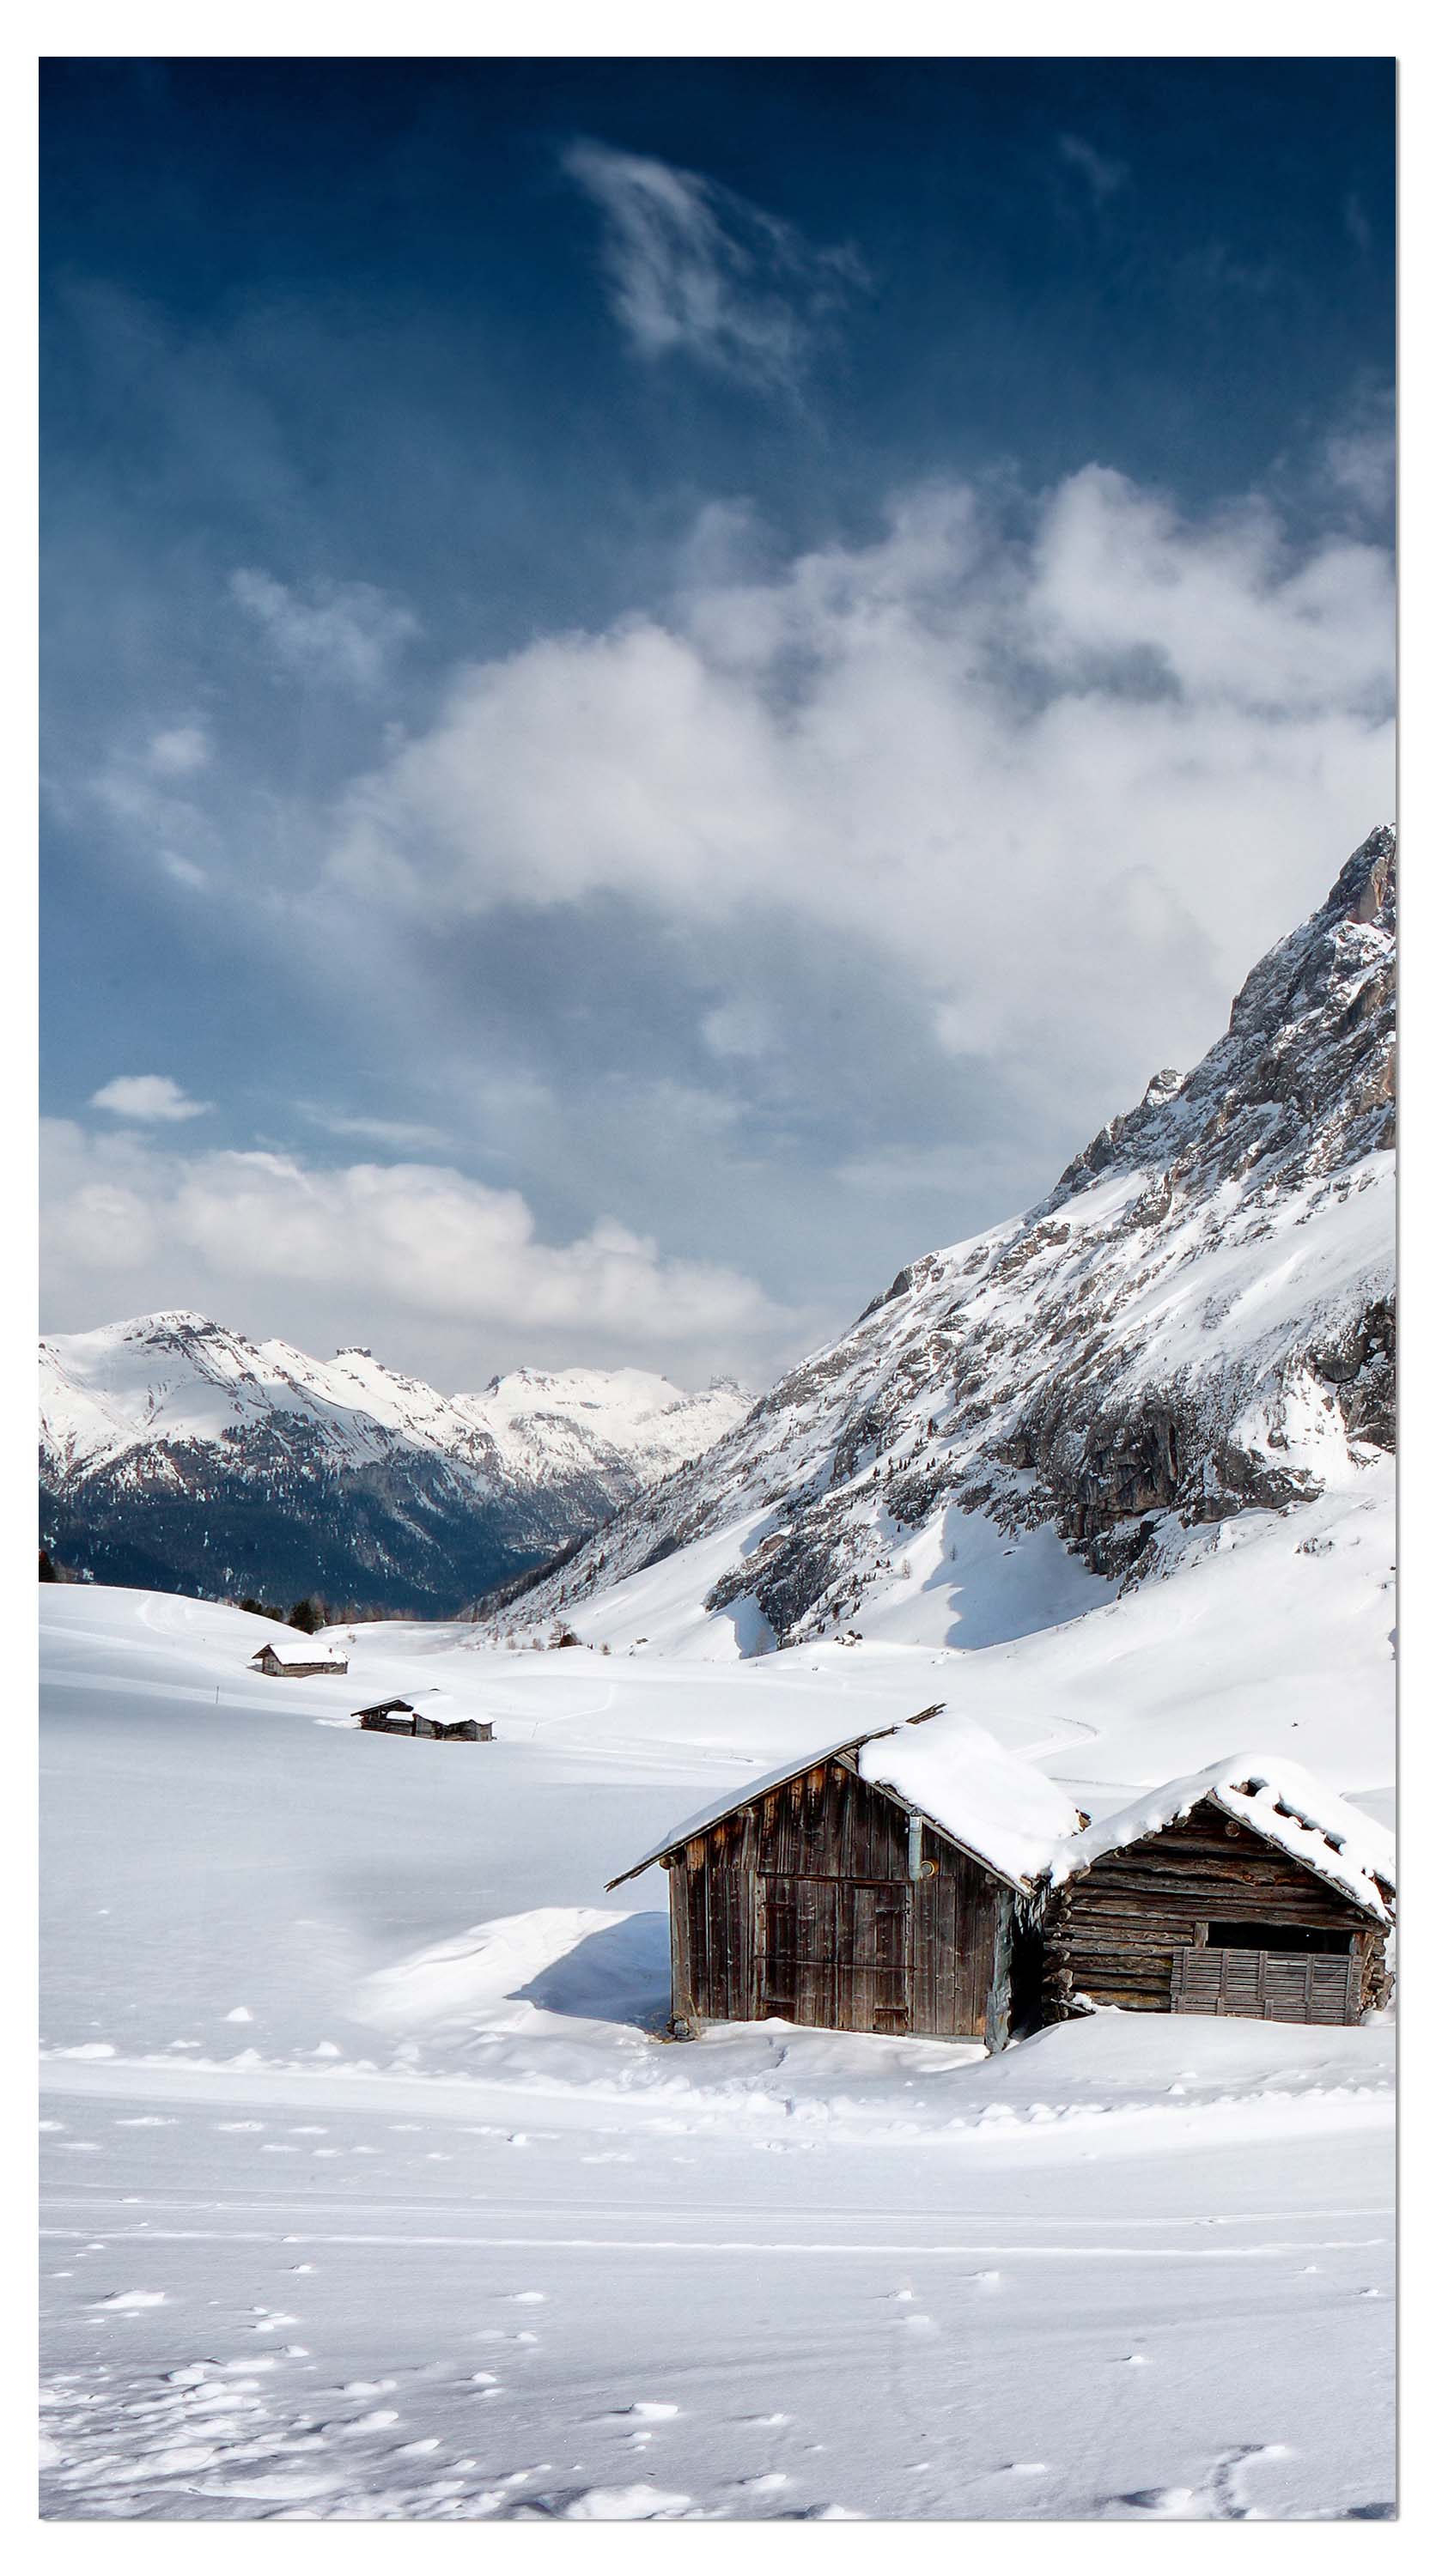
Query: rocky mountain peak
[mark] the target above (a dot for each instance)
(1197, 1322)
(1302, 1080)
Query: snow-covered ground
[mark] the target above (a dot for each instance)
(372, 2190)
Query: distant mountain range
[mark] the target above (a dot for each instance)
(1197, 1323)
(176, 1455)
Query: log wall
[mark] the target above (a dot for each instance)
(1113, 1935)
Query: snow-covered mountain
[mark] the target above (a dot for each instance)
(175, 1453)
(1196, 1327)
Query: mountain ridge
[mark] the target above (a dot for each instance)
(169, 1441)
(1196, 1322)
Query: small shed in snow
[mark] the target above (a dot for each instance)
(400, 1717)
(292, 1663)
(1248, 1889)
(885, 1883)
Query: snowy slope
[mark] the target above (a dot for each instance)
(175, 1443)
(1195, 1328)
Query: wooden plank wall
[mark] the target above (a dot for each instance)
(801, 1906)
(1262, 1985)
(1113, 1934)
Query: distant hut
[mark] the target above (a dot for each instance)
(293, 1663)
(400, 1717)
(1247, 1889)
(884, 1884)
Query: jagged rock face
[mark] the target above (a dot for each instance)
(1198, 1321)
(174, 1453)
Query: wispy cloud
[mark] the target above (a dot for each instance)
(152, 1097)
(179, 751)
(346, 633)
(398, 1135)
(1103, 175)
(694, 268)
(1353, 216)
(1361, 456)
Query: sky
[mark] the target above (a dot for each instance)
(665, 681)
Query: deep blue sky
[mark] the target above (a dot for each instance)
(349, 391)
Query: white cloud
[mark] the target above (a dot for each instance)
(1103, 176)
(346, 633)
(128, 1223)
(693, 267)
(740, 1027)
(178, 752)
(147, 1096)
(1070, 776)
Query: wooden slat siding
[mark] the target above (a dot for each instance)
(1266, 1985)
(1115, 1933)
(801, 1906)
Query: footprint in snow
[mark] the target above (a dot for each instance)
(527, 2298)
(623, 2504)
(133, 2299)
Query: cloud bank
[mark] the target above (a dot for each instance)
(438, 1260)
(1065, 767)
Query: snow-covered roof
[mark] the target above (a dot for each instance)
(947, 1770)
(1278, 1800)
(302, 1653)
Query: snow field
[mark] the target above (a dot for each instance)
(371, 2192)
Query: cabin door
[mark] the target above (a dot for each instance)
(833, 1953)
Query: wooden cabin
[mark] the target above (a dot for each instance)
(884, 1884)
(292, 1664)
(921, 1880)
(1249, 1889)
(400, 1717)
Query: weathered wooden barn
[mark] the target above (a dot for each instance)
(921, 1880)
(400, 1717)
(884, 1884)
(1248, 1889)
(293, 1663)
